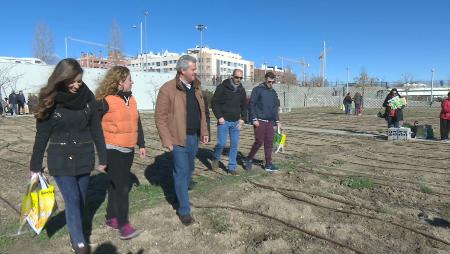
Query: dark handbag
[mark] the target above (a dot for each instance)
(381, 115)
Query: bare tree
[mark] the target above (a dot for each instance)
(315, 81)
(43, 46)
(7, 79)
(365, 80)
(115, 44)
(408, 78)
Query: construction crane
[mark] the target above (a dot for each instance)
(302, 62)
(68, 38)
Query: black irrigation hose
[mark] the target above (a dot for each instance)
(288, 224)
(376, 181)
(324, 196)
(396, 162)
(14, 162)
(289, 196)
(15, 151)
(10, 205)
(315, 194)
(415, 156)
(378, 177)
(395, 168)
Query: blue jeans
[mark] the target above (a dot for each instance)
(392, 122)
(14, 109)
(73, 190)
(183, 167)
(223, 130)
(347, 108)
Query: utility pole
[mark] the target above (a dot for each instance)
(304, 64)
(146, 13)
(65, 42)
(324, 64)
(432, 85)
(348, 70)
(201, 27)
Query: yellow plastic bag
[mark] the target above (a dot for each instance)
(278, 141)
(38, 204)
(343, 107)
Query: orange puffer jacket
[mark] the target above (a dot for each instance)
(120, 123)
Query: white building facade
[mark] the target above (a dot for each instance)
(214, 63)
(159, 62)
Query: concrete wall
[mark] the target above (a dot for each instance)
(147, 84)
(33, 77)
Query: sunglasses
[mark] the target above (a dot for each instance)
(236, 77)
(270, 81)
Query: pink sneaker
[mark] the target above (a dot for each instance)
(112, 223)
(128, 232)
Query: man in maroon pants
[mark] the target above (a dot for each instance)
(263, 112)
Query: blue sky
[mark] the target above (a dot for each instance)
(387, 38)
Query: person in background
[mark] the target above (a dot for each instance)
(122, 129)
(358, 103)
(21, 103)
(445, 117)
(12, 100)
(68, 122)
(393, 116)
(347, 103)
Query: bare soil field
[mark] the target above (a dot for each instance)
(337, 192)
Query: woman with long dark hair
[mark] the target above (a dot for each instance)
(68, 121)
(393, 116)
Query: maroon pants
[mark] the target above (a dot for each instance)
(264, 134)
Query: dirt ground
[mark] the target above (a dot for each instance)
(335, 193)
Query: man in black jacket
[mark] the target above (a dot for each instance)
(230, 108)
(13, 102)
(263, 112)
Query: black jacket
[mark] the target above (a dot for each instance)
(347, 99)
(21, 98)
(264, 104)
(70, 135)
(229, 103)
(12, 99)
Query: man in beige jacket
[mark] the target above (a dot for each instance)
(180, 119)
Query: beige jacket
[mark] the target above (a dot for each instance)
(170, 112)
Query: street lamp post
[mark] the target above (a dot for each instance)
(201, 27)
(348, 70)
(140, 58)
(432, 84)
(65, 42)
(134, 26)
(146, 13)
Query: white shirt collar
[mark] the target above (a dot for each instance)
(186, 84)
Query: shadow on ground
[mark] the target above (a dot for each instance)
(96, 195)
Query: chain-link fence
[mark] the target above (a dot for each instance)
(373, 96)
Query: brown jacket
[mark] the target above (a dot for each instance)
(170, 112)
